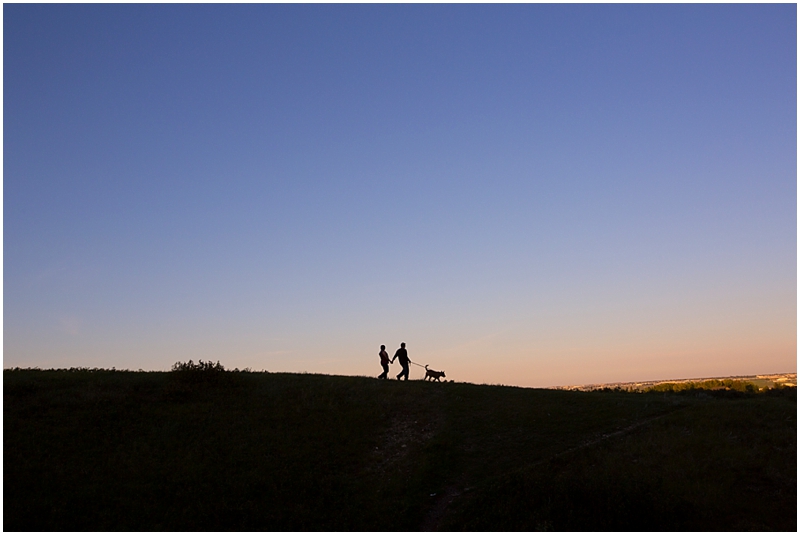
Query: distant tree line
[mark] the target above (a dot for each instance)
(717, 385)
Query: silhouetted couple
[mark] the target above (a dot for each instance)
(401, 355)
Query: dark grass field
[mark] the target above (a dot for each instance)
(112, 450)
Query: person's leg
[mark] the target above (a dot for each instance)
(405, 371)
(385, 373)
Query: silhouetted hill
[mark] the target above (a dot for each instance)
(110, 450)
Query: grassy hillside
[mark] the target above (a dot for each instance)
(111, 450)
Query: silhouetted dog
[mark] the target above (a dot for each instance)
(433, 374)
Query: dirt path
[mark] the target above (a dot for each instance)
(439, 509)
(604, 437)
(437, 512)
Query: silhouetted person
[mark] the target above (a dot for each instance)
(384, 362)
(402, 355)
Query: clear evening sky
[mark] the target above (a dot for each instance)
(531, 195)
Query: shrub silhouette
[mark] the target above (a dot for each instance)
(186, 376)
(204, 369)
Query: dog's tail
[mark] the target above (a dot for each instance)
(426, 367)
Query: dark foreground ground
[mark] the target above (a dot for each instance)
(106, 450)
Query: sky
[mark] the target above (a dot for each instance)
(530, 195)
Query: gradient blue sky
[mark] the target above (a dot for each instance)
(532, 195)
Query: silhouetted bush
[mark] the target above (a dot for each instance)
(187, 376)
(201, 369)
